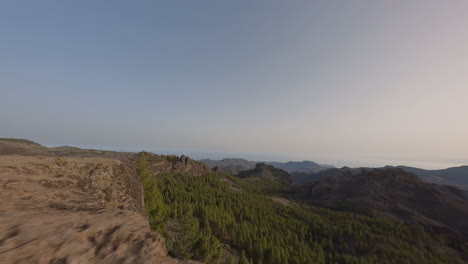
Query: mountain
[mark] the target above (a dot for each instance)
(234, 166)
(19, 140)
(451, 176)
(230, 165)
(309, 177)
(250, 212)
(264, 171)
(298, 166)
(265, 179)
(70, 205)
(306, 177)
(13, 146)
(394, 193)
(456, 176)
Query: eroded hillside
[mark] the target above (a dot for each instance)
(72, 210)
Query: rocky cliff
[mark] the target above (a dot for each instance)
(75, 209)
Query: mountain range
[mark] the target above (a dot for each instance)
(391, 193)
(394, 192)
(307, 171)
(234, 166)
(71, 205)
(457, 176)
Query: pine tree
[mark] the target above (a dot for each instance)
(242, 258)
(154, 204)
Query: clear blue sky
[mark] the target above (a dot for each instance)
(343, 82)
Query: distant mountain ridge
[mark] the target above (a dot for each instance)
(262, 170)
(20, 140)
(395, 193)
(308, 177)
(230, 165)
(355, 210)
(297, 166)
(234, 165)
(450, 176)
(455, 176)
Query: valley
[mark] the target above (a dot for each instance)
(183, 211)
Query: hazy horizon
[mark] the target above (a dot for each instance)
(357, 83)
(259, 157)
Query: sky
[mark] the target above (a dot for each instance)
(355, 83)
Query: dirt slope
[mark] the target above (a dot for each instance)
(73, 210)
(28, 148)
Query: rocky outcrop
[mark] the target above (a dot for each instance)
(74, 210)
(160, 164)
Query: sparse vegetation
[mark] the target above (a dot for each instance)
(61, 161)
(172, 158)
(19, 140)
